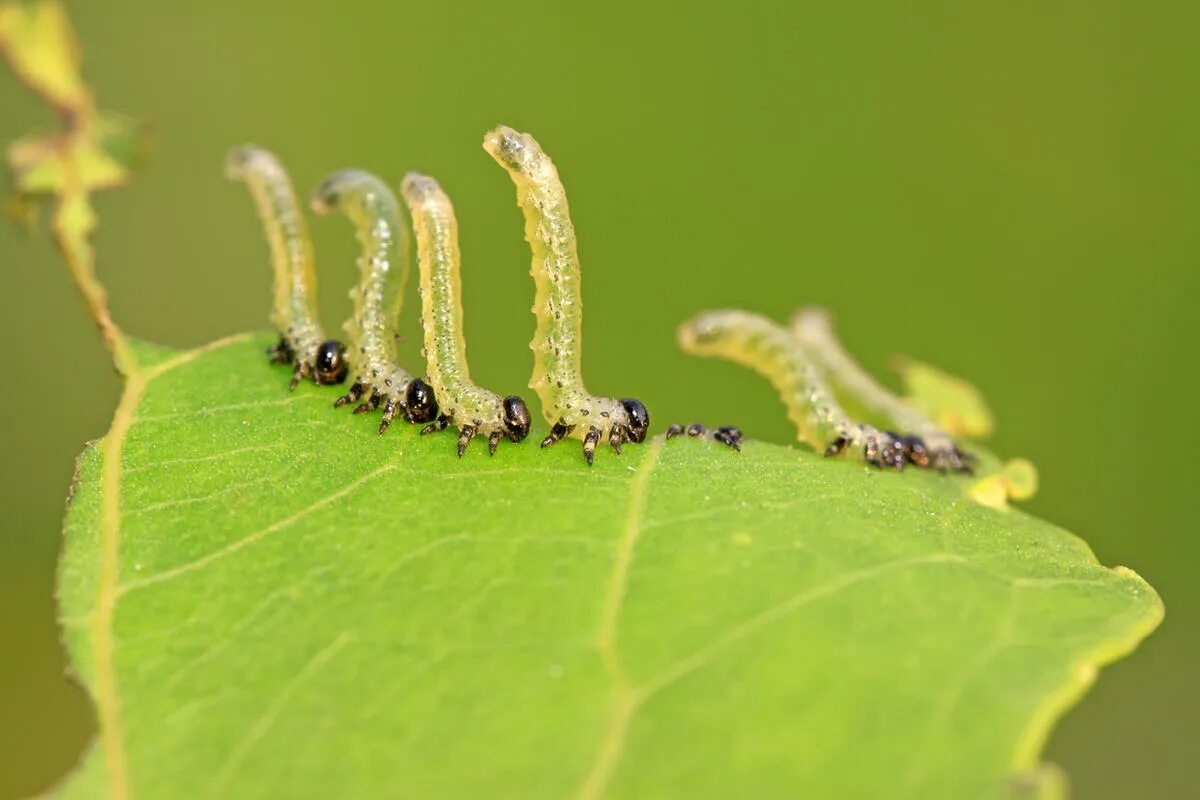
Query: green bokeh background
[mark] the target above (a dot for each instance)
(1008, 190)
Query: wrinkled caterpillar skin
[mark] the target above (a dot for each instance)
(302, 342)
(754, 341)
(558, 305)
(813, 329)
(473, 410)
(383, 267)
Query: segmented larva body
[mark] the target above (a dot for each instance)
(558, 305)
(383, 267)
(470, 408)
(754, 341)
(813, 329)
(294, 313)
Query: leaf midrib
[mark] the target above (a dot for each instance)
(108, 589)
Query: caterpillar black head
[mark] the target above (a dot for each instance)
(420, 402)
(331, 365)
(516, 418)
(639, 419)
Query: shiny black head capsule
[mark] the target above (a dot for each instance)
(639, 419)
(419, 401)
(516, 418)
(331, 366)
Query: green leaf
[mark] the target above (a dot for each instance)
(265, 599)
(40, 46)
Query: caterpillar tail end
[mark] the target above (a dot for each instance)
(328, 195)
(246, 158)
(419, 189)
(512, 149)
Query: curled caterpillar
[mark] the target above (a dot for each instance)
(929, 445)
(558, 305)
(771, 350)
(473, 410)
(302, 343)
(384, 267)
(728, 435)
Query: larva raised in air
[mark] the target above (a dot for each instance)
(302, 343)
(557, 372)
(771, 350)
(927, 445)
(473, 410)
(384, 267)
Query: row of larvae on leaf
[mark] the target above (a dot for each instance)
(447, 396)
(810, 369)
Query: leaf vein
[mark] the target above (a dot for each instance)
(275, 527)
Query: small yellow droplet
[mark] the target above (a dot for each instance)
(1020, 478)
(991, 492)
(1016, 480)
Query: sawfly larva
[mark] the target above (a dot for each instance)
(473, 410)
(558, 305)
(728, 435)
(927, 445)
(384, 267)
(302, 343)
(771, 350)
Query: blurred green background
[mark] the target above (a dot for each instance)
(1008, 190)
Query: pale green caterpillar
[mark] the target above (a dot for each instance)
(558, 305)
(302, 343)
(928, 445)
(384, 267)
(771, 350)
(473, 410)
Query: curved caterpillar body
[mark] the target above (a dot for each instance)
(302, 343)
(932, 447)
(771, 350)
(473, 410)
(557, 373)
(384, 267)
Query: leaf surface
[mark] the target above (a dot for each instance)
(265, 599)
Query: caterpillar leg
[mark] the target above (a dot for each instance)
(589, 444)
(370, 405)
(836, 446)
(414, 401)
(557, 432)
(300, 371)
(281, 353)
(465, 434)
(389, 413)
(515, 427)
(617, 436)
(728, 435)
(894, 451)
(439, 424)
(918, 452)
(352, 395)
